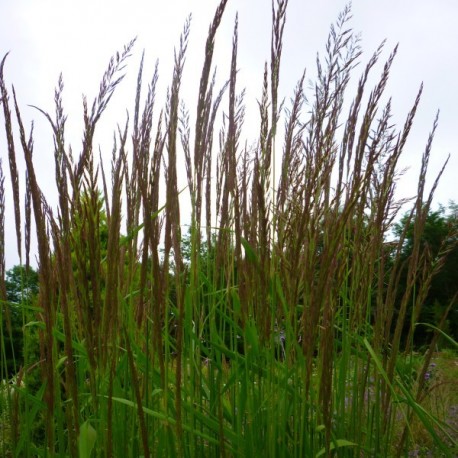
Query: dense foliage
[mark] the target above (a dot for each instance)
(439, 238)
(21, 290)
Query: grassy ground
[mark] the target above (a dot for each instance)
(441, 398)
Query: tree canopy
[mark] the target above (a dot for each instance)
(439, 240)
(21, 288)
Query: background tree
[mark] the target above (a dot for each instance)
(440, 234)
(21, 289)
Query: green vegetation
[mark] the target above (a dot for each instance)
(21, 287)
(282, 324)
(440, 250)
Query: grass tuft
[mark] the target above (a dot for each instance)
(276, 323)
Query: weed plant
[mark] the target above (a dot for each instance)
(274, 327)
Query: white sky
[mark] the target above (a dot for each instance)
(77, 38)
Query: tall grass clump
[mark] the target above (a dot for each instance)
(273, 324)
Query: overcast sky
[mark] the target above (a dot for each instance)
(77, 38)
